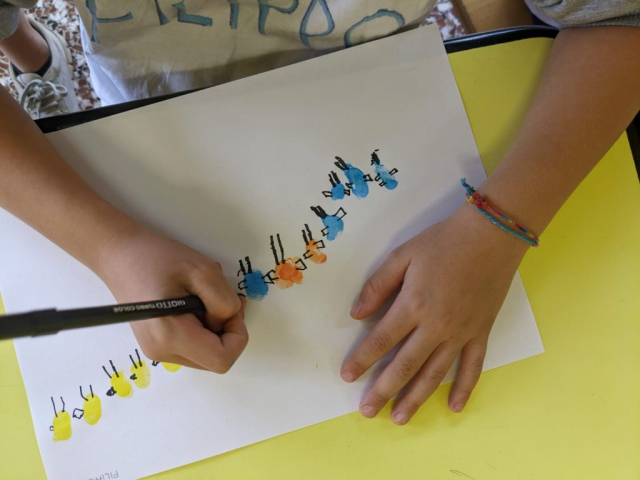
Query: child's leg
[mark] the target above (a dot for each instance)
(24, 46)
(39, 62)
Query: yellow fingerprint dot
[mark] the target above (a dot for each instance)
(92, 409)
(172, 367)
(143, 377)
(62, 427)
(121, 385)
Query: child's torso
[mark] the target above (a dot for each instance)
(150, 47)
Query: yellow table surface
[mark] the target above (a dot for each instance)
(571, 413)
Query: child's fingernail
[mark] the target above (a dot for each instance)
(400, 418)
(368, 411)
(458, 407)
(356, 310)
(347, 376)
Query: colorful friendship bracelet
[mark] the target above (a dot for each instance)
(484, 208)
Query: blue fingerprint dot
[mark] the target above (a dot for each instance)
(356, 177)
(337, 192)
(391, 182)
(334, 226)
(256, 288)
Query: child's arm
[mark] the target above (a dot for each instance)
(137, 264)
(455, 275)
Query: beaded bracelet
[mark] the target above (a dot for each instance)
(485, 209)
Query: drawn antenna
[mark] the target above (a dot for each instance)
(83, 397)
(114, 369)
(315, 210)
(273, 249)
(62, 403)
(105, 371)
(54, 407)
(341, 164)
(91, 390)
(249, 269)
(132, 361)
(281, 249)
(138, 355)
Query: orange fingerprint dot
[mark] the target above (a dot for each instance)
(315, 255)
(288, 274)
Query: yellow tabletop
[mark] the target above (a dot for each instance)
(571, 413)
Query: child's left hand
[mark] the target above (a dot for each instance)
(453, 279)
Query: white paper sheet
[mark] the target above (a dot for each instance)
(222, 170)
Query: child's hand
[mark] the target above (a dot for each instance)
(453, 278)
(142, 265)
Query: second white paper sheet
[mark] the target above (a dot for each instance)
(222, 170)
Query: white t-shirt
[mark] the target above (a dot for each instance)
(143, 48)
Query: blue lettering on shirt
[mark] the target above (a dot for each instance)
(93, 10)
(383, 12)
(304, 36)
(161, 16)
(264, 9)
(316, 7)
(233, 14)
(185, 17)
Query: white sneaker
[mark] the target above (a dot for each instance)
(53, 93)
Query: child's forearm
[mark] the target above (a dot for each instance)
(588, 95)
(38, 186)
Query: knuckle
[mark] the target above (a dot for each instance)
(434, 377)
(411, 404)
(378, 398)
(442, 325)
(475, 369)
(228, 306)
(415, 305)
(463, 392)
(162, 335)
(205, 271)
(448, 319)
(355, 366)
(190, 266)
(406, 370)
(380, 343)
(372, 285)
(222, 367)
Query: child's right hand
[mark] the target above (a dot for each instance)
(39, 187)
(140, 265)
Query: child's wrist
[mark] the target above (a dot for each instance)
(487, 235)
(120, 229)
